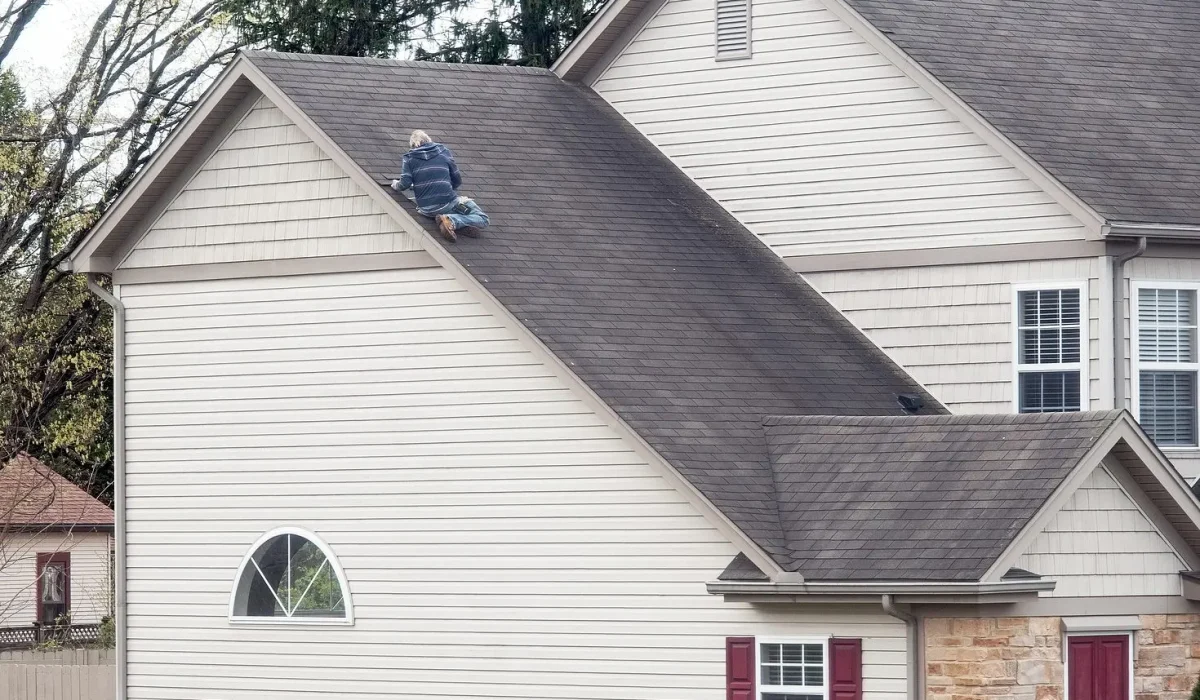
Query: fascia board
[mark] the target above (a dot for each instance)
(1055, 502)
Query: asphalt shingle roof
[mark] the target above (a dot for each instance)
(1104, 94)
(34, 495)
(918, 497)
(672, 312)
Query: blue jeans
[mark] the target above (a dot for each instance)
(463, 212)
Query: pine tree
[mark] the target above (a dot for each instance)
(341, 27)
(521, 32)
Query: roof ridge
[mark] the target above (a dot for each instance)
(393, 62)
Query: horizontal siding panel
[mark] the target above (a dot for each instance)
(817, 106)
(91, 581)
(950, 326)
(1101, 544)
(499, 538)
(267, 193)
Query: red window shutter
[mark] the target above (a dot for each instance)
(739, 668)
(845, 669)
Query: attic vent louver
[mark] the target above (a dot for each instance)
(733, 29)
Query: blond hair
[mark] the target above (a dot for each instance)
(419, 138)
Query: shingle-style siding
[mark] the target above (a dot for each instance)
(91, 579)
(818, 143)
(268, 193)
(951, 327)
(499, 539)
(1101, 544)
(1152, 268)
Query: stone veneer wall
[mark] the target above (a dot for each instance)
(1021, 658)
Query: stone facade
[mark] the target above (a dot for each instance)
(1021, 658)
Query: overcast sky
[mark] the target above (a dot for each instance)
(45, 46)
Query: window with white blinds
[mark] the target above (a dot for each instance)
(1050, 350)
(1166, 363)
(732, 29)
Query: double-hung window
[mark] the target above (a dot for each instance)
(792, 669)
(1051, 349)
(1166, 361)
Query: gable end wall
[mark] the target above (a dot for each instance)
(267, 193)
(499, 539)
(819, 144)
(1101, 544)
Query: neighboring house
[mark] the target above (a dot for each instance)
(964, 179)
(613, 449)
(56, 545)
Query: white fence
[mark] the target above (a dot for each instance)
(70, 674)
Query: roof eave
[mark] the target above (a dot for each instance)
(1133, 229)
(954, 592)
(571, 64)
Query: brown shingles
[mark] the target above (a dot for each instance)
(653, 295)
(32, 495)
(918, 497)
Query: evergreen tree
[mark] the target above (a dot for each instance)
(1196, 691)
(521, 32)
(340, 27)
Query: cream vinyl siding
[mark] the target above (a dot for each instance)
(818, 143)
(1100, 544)
(268, 193)
(951, 326)
(1166, 270)
(499, 540)
(91, 579)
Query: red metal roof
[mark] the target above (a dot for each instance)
(34, 495)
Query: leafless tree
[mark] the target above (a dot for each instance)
(64, 159)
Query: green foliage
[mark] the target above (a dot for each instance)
(341, 27)
(108, 634)
(521, 32)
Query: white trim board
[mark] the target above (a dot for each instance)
(1124, 429)
(1084, 339)
(1135, 359)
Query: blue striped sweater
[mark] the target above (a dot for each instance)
(433, 176)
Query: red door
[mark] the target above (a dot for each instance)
(1098, 668)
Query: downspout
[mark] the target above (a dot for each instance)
(118, 474)
(914, 655)
(1118, 278)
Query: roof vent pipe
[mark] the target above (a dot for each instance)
(1118, 280)
(911, 403)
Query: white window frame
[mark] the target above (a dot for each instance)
(761, 689)
(1085, 322)
(1066, 656)
(292, 621)
(1135, 360)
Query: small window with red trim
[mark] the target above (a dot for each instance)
(792, 669)
(53, 587)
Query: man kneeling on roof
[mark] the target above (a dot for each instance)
(429, 169)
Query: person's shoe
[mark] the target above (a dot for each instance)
(446, 226)
(468, 231)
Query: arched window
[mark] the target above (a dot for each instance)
(290, 575)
